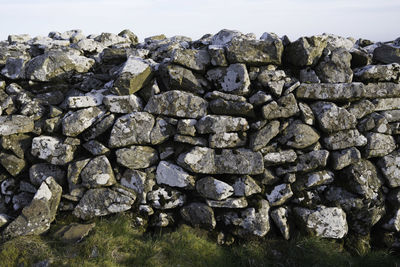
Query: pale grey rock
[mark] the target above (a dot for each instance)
(285, 107)
(76, 122)
(89, 45)
(224, 36)
(98, 172)
(52, 149)
(187, 127)
(280, 216)
(274, 80)
(173, 175)
(306, 114)
(344, 139)
(109, 39)
(193, 59)
(279, 195)
(318, 178)
(214, 95)
(323, 221)
(299, 135)
(15, 124)
(233, 79)
(345, 157)
(14, 68)
(379, 145)
(335, 67)
(96, 148)
(262, 137)
(306, 162)
(306, 51)
(104, 201)
(199, 215)
(36, 218)
(84, 101)
(246, 186)
(361, 108)
(382, 104)
(391, 115)
(131, 129)
(335, 41)
(331, 91)
(378, 73)
(161, 131)
(41, 171)
(260, 98)
(374, 122)
(221, 124)
(227, 140)
(178, 104)
(123, 104)
(229, 203)
(99, 128)
(281, 157)
(332, 118)
(382, 90)
(308, 75)
(18, 38)
(390, 167)
(139, 182)
(137, 157)
(233, 108)
(165, 199)
(217, 56)
(214, 189)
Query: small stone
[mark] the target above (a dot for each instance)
(374, 122)
(15, 124)
(285, 107)
(194, 141)
(233, 108)
(332, 118)
(84, 101)
(308, 75)
(229, 203)
(245, 186)
(52, 149)
(260, 98)
(227, 140)
(173, 175)
(161, 131)
(221, 124)
(96, 148)
(41, 171)
(281, 157)
(390, 167)
(299, 135)
(187, 127)
(279, 195)
(212, 188)
(99, 128)
(74, 232)
(343, 158)
(76, 122)
(139, 182)
(318, 178)
(233, 79)
(280, 216)
(379, 145)
(344, 139)
(123, 104)
(199, 214)
(262, 137)
(306, 162)
(12, 163)
(165, 199)
(98, 172)
(361, 108)
(217, 56)
(274, 80)
(137, 157)
(306, 113)
(306, 51)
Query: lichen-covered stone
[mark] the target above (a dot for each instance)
(345, 157)
(299, 135)
(52, 149)
(344, 139)
(173, 175)
(165, 199)
(379, 145)
(12, 163)
(227, 140)
(199, 214)
(14, 124)
(387, 54)
(305, 51)
(306, 162)
(279, 194)
(221, 124)
(390, 167)
(137, 157)
(212, 188)
(76, 122)
(281, 157)
(246, 186)
(233, 79)
(332, 118)
(378, 73)
(196, 60)
(280, 216)
(285, 107)
(335, 67)
(98, 172)
(39, 172)
(331, 91)
(123, 104)
(229, 203)
(262, 137)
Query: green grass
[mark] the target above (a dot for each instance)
(115, 242)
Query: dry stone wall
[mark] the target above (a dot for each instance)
(244, 136)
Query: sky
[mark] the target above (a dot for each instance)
(377, 20)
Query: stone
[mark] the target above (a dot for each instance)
(12, 163)
(132, 129)
(306, 113)
(99, 128)
(193, 59)
(52, 149)
(254, 52)
(382, 90)
(391, 115)
(221, 124)
(161, 131)
(137, 157)
(246, 186)
(387, 54)
(41, 171)
(323, 221)
(214, 189)
(217, 56)
(281, 157)
(96, 148)
(344, 139)
(363, 179)
(76, 122)
(332, 118)
(187, 127)
(165, 199)
(305, 51)
(393, 223)
(343, 158)
(308, 75)
(374, 122)
(103, 201)
(232, 80)
(379, 145)
(306, 162)
(279, 195)
(227, 140)
(331, 91)
(194, 141)
(378, 73)
(274, 80)
(260, 98)
(123, 104)
(36, 218)
(386, 104)
(262, 137)
(14, 124)
(361, 108)
(98, 172)
(173, 175)
(14, 68)
(299, 135)
(140, 182)
(233, 108)
(133, 76)
(84, 101)
(74, 232)
(280, 216)
(390, 167)
(335, 67)
(285, 107)
(199, 215)
(229, 203)
(318, 178)
(177, 104)
(56, 65)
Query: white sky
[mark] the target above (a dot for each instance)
(378, 20)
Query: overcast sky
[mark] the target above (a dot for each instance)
(378, 20)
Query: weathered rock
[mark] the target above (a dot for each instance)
(274, 80)
(96, 148)
(378, 73)
(306, 51)
(137, 157)
(387, 54)
(323, 222)
(386, 104)
(361, 108)
(229, 203)
(374, 122)
(196, 60)
(344, 139)
(335, 67)
(299, 135)
(260, 98)
(178, 104)
(345, 157)
(12, 163)
(194, 141)
(306, 162)
(285, 107)
(17, 143)
(199, 214)
(306, 113)
(187, 127)
(280, 216)
(84, 101)
(379, 145)
(233, 108)
(393, 223)
(103, 201)
(76, 122)
(279, 195)
(318, 178)
(41, 171)
(15, 124)
(227, 140)
(133, 75)
(245, 186)
(217, 55)
(140, 182)
(262, 137)
(281, 157)
(331, 91)
(332, 118)
(161, 131)
(132, 129)
(74, 232)
(308, 75)
(38, 215)
(173, 175)
(123, 104)
(390, 167)
(212, 188)
(233, 79)
(221, 124)
(382, 90)
(52, 149)
(99, 128)
(14, 68)
(98, 172)
(165, 199)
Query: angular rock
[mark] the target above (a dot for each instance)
(274, 80)
(140, 182)
(232, 80)
(76, 122)
(12, 163)
(187, 127)
(387, 54)
(344, 139)
(96, 148)
(378, 73)
(178, 104)
(165, 199)
(386, 104)
(393, 224)
(318, 178)
(196, 60)
(194, 141)
(281, 157)
(245, 186)
(17, 143)
(161, 132)
(229, 203)
(52, 149)
(280, 216)
(331, 91)
(41, 171)
(374, 122)
(285, 107)
(15, 124)
(332, 118)
(306, 114)
(98, 172)
(84, 101)
(279, 195)
(227, 140)
(361, 108)
(390, 167)
(132, 129)
(137, 157)
(299, 135)
(39, 214)
(382, 90)
(306, 162)
(173, 175)
(335, 67)
(260, 98)
(74, 232)
(214, 189)
(103, 201)
(199, 215)
(345, 157)
(306, 51)
(379, 145)
(99, 128)
(123, 104)
(261, 138)
(217, 55)
(233, 108)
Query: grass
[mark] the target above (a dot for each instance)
(115, 242)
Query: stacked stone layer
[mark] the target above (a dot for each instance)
(231, 133)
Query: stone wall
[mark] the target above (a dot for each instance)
(231, 133)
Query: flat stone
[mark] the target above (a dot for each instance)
(233, 108)
(343, 158)
(391, 115)
(246, 186)
(229, 203)
(98, 172)
(177, 104)
(378, 73)
(74, 232)
(305, 51)
(233, 79)
(386, 104)
(39, 172)
(281, 157)
(193, 59)
(123, 104)
(221, 124)
(344, 139)
(361, 108)
(279, 195)
(173, 175)
(96, 148)
(226, 140)
(332, 118)
(214, 189)
(379, 145)
(52, 149)
(76, 122)
(262, 137)
(14, 124)
(382, 90)
(285, 107)
(137, 157)
(306, 162)
(84, 101)
(191, 140)
(318, 178)
(99, 128)
(331, 91)
(390, 167)
(299, 135)
(199, 215)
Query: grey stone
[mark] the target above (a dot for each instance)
(217, 55)
(274, 80)
(187, 127)
(332, 118)
(323, 221)
(139, 182)
(306, 162)
(306, 114)
(137, 157)
(318, 178)
(246, 186)
(308, 75)
(345, 157)
(305, 51)
(194, 141)
(76, 122)
(165, 199)
(98, 172)
(393, 223)
(199, 214)
(233, 108)
(103, 201)
(91, 100)
(52, 149)
(214, 189)
(280, 216)
(14, 68)
(173, 175)
(260, 98)
(17, 143)
(285, 107)
(262, 137)
(281, 157)
(378, 73)
(227, 140)
(233, 79)
(387, 54)
(36, 218)
(335, 67)
(99, 128)
(96, 148)
(196, 60)
(361, 108)
(41, 171)
(15, 124)
(221, 124)
(344, 139)
(379, 145)
(374, 122)
(161, 131)
(391, 115)
(12, 163)
(382, 90)
(123, 104)
(132, 129)
(299, 135)
(178, 104)
(229, 203)
(331, 91)
(386, 104)
(390, 167)
(279, 195)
